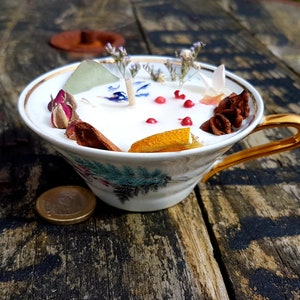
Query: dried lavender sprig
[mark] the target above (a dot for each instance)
(156, 75)
(188, 57)
(134, 68)
(119, 56)
(172, 70)
(122, 61)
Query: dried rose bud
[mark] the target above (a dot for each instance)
(61, 115)
(62, 97)
(63, 108)
(69, 99)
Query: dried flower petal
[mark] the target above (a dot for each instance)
(211, 100)
(69, 100)
(215, 84)
(61, 115)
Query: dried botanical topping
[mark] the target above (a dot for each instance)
(151, 121)
(229, 114)
(188, 103)
(235, 101)
(211, 100)
(156, 75)
(178, 95)
(167, 141)
(160, 100)
(70, 130)
(188, 58)
(218, 125)
(62, 97)
(122, 60)
(87, 135)
(63, 109)
(187, 121)
(61, 115)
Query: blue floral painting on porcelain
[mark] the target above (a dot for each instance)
(119, 96)
(125, 181)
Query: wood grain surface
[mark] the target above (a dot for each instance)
(235, 237)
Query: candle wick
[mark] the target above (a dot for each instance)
(130, 91)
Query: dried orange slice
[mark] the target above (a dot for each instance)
(167, 141)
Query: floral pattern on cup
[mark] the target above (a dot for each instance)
(126, 181)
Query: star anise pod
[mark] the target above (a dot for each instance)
(229, 114)
(239, 101)
(217, 125)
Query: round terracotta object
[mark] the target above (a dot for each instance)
(86, 41)
(65, 205)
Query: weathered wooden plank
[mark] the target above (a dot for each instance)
(257, 227)
(279, 30)
(201, 256)
(253, 209)
(145, 256)
(114, 255)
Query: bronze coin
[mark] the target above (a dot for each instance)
(66, 205)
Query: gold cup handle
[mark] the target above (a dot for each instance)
(271, 121)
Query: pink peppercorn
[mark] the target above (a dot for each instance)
(151, 121)
(187, 121)
(188, 103)
(179, 96)
(160, 100)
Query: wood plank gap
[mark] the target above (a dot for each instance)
(140, 27)
(214, 242)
